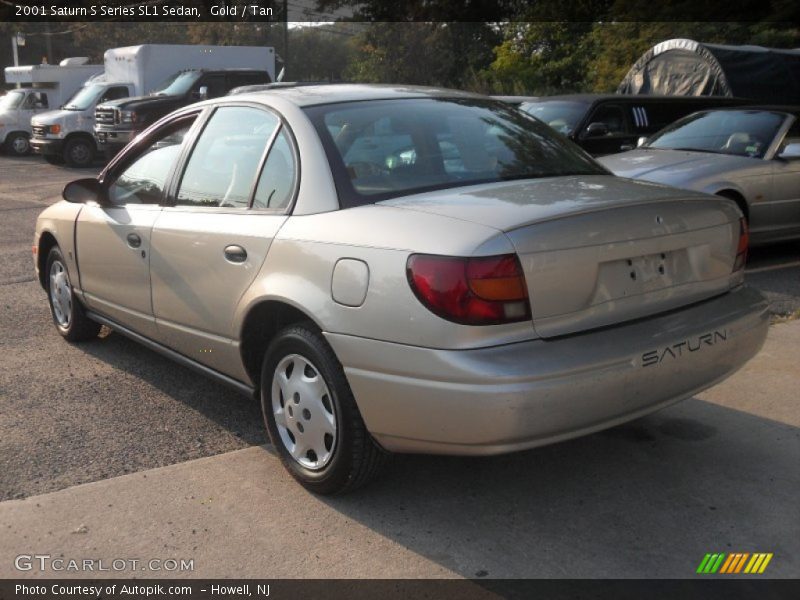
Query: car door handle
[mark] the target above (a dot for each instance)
(625, 147)
(235, 254)
(134, 241)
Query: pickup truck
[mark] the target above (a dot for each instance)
(119, 121)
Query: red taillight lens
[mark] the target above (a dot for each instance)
(473, 291)
(741, 249)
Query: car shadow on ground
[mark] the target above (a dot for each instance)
(645, 499)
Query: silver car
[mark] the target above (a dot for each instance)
(749, 155)
(399, 269)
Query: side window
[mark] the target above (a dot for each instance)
(36, 100)
(239, 79)
(224, 162)
(114, 93)
(276, 183)
(215, 84)
(143, 181)
(611, 116)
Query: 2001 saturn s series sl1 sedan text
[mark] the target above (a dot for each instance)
(399, 269)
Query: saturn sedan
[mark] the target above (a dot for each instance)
(400, 269)
(751, 156)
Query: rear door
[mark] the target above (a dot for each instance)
(229, 202)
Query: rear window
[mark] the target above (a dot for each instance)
(389, 148)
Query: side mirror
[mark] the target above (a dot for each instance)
(202, 93)
(790, 151)
(641, 141)
(596, 129)
(83, 191)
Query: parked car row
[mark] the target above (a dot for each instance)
(100, 108)
(401, 269)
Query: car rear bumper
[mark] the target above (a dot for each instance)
(517, 396)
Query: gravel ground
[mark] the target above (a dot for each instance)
(74, 414)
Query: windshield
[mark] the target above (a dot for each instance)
(389, 148)
(84, 97)
(740, 132)
(561, 116)
(178, 84)
(11, 100)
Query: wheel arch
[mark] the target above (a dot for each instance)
(736, 196)
(46, 243)
(263, 320)
(82, 135)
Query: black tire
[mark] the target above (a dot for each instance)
(18, 143)
(54, 159)
(79, 152)
(76, 326)
(355, 458)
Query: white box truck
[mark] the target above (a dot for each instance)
(67, 135)
(39, 88)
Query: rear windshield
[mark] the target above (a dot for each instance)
(741, 132)
(561, 116)
(387, 148)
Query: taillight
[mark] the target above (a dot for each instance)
(741, 249)
(487, 290)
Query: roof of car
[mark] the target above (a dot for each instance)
(590, 98)
(310, 95)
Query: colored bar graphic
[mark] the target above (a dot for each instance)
(734, 563)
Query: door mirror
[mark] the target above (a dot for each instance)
(83, 191)
(202, 93)
(790, 151)
(596, 129)
(641, 141)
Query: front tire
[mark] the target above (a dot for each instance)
(311, 416)
(18, 144)
(79, 152)
(68, 314)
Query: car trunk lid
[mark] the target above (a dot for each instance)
(601, 250)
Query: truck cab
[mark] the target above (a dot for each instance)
(39, 88)
(67, 135)
(118, 122)
(16, 109)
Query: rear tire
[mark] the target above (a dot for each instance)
(311, 416)
(79, 152)
(18, 144)
(68, 314)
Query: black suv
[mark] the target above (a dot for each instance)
(118, 122)
(608, 123)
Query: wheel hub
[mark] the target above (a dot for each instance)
(303, 412)
(60, 293)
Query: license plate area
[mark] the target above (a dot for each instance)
(639, 274)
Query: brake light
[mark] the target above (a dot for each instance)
(472, 291)
(741, 249)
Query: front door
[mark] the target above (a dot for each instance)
(209, 246)
(616, 135)
(113, 241)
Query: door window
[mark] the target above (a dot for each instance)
(224, 163)
(35, 101)
(276, 184)
(214, 83)
(611, 116)
(144, 180)
(114, 93)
